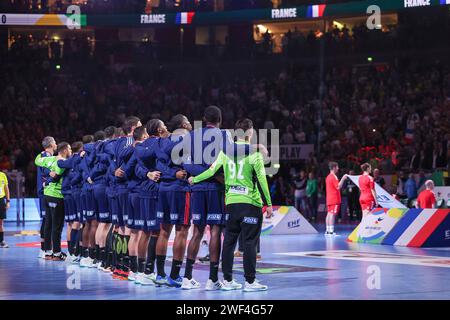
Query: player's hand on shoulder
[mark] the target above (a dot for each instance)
(53, 174)
(191, 180)
(82, 153)
(181, 175)
(90, 180)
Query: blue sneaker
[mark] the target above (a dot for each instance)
(175, 283)
(161, 281)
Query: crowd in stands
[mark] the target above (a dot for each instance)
(395, 116)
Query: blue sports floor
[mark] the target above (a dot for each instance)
(294, 267)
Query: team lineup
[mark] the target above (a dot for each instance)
(122, 192)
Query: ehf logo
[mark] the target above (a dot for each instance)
(294, 224)
(196, 217)
(214, 217)
(447, 234)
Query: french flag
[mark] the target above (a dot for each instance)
(445, 2)
(184, 17)
(316, 11)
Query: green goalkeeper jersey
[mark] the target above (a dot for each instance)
(51, 163)
(242, 175)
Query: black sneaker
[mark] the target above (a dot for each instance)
(204, 259)
(60, 257)
(3, 245)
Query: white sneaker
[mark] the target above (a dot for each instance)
(4, 245)
(332, 234)
(147, 279)
(132, 276)
(69, 258)
(138, 278)
(231, 285)
(76, 259)
(190, 284)
(255, 286)
(213, 286)
(86, 262)
(41, 254)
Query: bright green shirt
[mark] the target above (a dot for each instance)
(311, 187)
(240, 183)
(53, 189)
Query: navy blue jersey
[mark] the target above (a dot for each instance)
(100, 164)
(165, 164)
(42, 175)
(134, 173)
(145, 154)
(202, 148)
(106, 158)
(69, 173)
(76, 179)
(86, 164)
(123, 149)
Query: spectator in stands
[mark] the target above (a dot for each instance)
(378, 178)
(312, 192)
(427, 199)
(411, 188)
(301, 200)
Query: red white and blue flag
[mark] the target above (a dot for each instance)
(184, 17)
(316, 11)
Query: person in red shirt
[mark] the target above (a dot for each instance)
(427, 199)
(333, 186)
(368, 196)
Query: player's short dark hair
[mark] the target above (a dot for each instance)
(77, 146)
(212, 114)
(242, 126)
(365, 166)
(129, 123)
(332, 165)
(152, 126)
(99, 135)
(139, 132)
(176, 122)
(87, 138)
(62, 146)
(109, 131)
(119, 132)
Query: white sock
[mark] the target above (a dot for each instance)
(331, 229)
(328, 228)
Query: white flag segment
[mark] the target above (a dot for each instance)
(384, 198)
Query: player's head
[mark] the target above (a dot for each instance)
(118, 132)
(244, 129)
(64, 150)
(130, 124)
(87, 138)
(376, 172)
(109, 132)
(77, 147)
(99, 135)
(429, 184)
(156, 128)
(49, 144)
(367, 168)
(333, 166)
(213, 116)
(140, 134)
(179, 121)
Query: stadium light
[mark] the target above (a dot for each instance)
(58, 67)
(370, 59)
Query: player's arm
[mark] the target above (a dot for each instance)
(374, 192)
(260, 171)
(211, 171)
(44, 162)
(341, 183)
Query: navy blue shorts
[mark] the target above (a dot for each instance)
(148, 214)
(102, 205)
(208, 207)
(70, 210)
(41, 206)
(174, 207)
(88, 202)
(113, 206)
(76, 195)
(133, 210)
(122, 208)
